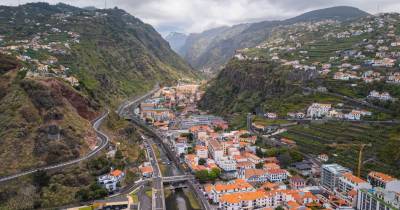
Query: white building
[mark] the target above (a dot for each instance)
(226, 164)
(110, 181)
(202, 152)
(317, 110)
(378, 199)
(330, 174)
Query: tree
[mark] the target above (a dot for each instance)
(218, 129)
(217, 171)
(279, 208)
(41, 179)
(190, 150)
(259, 165)
(202, 161)
(202, 175)
(260, 153)
(212, 176)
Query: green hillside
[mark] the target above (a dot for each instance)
(60, 68)
(339, 63)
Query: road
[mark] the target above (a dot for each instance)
(102, 143)
(158, 138)
(123, 110)
(158, 201)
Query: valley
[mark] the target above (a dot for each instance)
(99, 111)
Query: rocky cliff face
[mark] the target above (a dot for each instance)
(243, 86)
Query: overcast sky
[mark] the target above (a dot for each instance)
(197, 15)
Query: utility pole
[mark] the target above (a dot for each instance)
(105, 4)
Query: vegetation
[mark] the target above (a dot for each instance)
(45, 121)
(205, 175)
(320, 138)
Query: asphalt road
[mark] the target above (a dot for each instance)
(103, 141)
(192, 183)
(158, 201)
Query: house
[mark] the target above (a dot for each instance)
(220, 189)
(227, 164)
(201, 151)
(323, 157)
(348, 185)
(378, 179)
(304, 168)
(384, 96)
(110, 180)
(147, 171)
(271, 115)
(277, 175)
(269, 166)
(353, 115)
(317, 110)
(244, 200)
(341, 76)
(297, 182)
(215, 149)
(254, 175)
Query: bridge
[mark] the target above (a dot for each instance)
(172, 179)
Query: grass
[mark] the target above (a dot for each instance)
(163, 169)
(86, 208)
(156, 151)
(135, 198)
(297, 103)
(267, 122)
(192, 199)
(318, 138)
(149, 192)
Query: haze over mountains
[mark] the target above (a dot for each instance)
(211, 49)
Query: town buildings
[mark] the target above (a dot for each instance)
(110, 180)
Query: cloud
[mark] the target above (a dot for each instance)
(198, 15)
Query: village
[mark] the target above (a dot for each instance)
(233, 176)
(373, 58)
(40, 53)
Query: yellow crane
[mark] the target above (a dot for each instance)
(360, 153)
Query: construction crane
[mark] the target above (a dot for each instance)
(360, 153)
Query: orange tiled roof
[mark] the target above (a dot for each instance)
(353, 178)
(116, 172)
(271, 166)
(381, 176)
(254, 172)
(277, 171)
(242, 196)
(270, 185)
(146, 169)
(208, 188)
(237, 184)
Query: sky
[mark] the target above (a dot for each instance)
(191, 16)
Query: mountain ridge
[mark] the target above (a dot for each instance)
(215, 52)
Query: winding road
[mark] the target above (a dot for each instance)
(102, 143)
(103, 139)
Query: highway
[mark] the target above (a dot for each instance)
(158, 200)
(102, 143)
(193, 184)
(103, 139)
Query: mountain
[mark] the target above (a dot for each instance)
(212, 49)
(60, 68)
(176, 40)
(326, 62)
